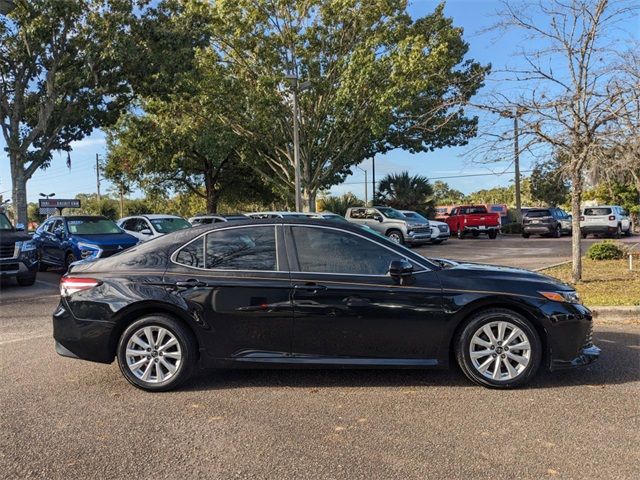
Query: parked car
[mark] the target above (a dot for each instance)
(62, 240)
(439, 230)
(262, 215)
(545, 221)
(18, 258)
(392, 224)
(207, 219)
(474, 219)
(605, 220)
(309, 293)
(146, 227)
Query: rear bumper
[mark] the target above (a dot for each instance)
(481, 229)
(539, 229)
(85, 339)
(601, 229)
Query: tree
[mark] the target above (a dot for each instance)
(548, 184)
(405, 192)
(443, 194)
(339, 204)
(575, 84)
(369, 79)
(61, 75)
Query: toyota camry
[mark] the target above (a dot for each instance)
(308, 293)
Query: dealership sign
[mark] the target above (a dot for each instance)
(59, 203)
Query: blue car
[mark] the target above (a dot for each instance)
(62, 240)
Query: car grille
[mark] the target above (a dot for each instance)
(7, 250)
(9, 267)
(588, 341)
(443, 228)
(421, 229)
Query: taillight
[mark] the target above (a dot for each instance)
(581, 218)
(612, 217)
(71, 285)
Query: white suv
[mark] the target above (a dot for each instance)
(146, 227)
(605, 220)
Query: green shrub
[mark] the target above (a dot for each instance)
(606, 250)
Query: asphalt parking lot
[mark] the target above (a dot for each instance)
(63, 418)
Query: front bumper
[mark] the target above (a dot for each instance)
(586, 356)
(417, 238)
(23, 265)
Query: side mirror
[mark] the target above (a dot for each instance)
(401, 271)
(446, 214)
(59, 233)
(20, 227)
(378, 218)
(146, 231)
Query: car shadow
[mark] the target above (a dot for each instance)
(618, 364)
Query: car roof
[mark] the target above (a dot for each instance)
(81, 217)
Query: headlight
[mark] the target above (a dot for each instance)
(26, 246)
(88, 250)
(565, 296)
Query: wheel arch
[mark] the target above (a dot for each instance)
(393, 229)
(131, 313)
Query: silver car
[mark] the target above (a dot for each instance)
(439, 230)
(391, 223)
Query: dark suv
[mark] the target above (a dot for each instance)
(545, 221)
(17, 254)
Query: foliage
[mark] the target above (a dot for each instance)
(503, 195)
(374, 80)
(614, 193)
(406, 192)
(339, 204)
(606, 250)
(548, 184)
(604, 283)
(445, 195)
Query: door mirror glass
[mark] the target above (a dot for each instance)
(378, 217)
(401, 271)
(146, 231)
(20, 227)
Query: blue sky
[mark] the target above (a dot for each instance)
(472, 15)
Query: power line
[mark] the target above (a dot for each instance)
(458, 176)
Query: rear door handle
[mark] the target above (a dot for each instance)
(310, 287)
(190, 283)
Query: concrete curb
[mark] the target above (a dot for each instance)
(625, 314)
(551, 266)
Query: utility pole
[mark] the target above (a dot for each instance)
(366, 184)
(121, 191)
(373, 180)
(98, 177)
(516, 156)
(296, 146)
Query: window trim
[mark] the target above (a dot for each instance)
(203, 238)
(294, 253)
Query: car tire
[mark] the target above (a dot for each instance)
(619, 231)
(493, 235)
(395, 236)
(460, 232)
(478, 354)
(584, 235)
(436, 242)
(26, 280)
(69, 258)
(525, 235)
(557, 233)
(162, 371)
(629, 231)
(42, 267)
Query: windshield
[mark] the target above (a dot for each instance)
(391, 213)
(416, 216)
(538, 213)
(590, 212)
(169, 224)
(92, 226)
(5, 224)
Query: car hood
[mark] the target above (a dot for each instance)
(110, 239)
(508, 277)
(11, 236)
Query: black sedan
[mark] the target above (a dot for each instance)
(299, 293)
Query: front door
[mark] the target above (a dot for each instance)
(238, 283)
(345, 304)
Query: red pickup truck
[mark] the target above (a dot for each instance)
(474, 219)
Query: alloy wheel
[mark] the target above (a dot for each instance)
(153, 354)
(395, 237)
(500, 351)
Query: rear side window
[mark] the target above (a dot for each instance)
(247, 248)
(592, 212)
(348, 253)
(357, 213)
(192, 254)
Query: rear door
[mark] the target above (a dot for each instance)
(237, 281)
(597, 216)
(347, 308)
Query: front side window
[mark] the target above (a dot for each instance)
(323, 250)
(247, 248)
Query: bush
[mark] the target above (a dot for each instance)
(512, 228)
(606, 250)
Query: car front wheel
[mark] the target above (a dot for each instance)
(156, 353)
(396, 237)
(498, 349)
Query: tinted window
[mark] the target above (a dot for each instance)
(248, 248)
(331, 251)
(597, 211)
(538, 213)
(92, 226)
(391, 213)
(192, 255)
(357, 213)
(472, 210)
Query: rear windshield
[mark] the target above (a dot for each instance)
(92, 226)
(597, 211)
(472, 210)
(169, 224)
(538, 213)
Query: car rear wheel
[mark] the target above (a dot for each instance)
(493, 234)
(557, 232)
(156, 353)
(498, 349)
(69, 258)
(619, 231)
(585, 235)
(395, 236)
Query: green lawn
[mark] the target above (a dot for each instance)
(604, 282)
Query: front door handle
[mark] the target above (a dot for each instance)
(310, 287)
(190, 283)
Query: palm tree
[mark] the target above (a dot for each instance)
(339, 204)
(406, 192)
